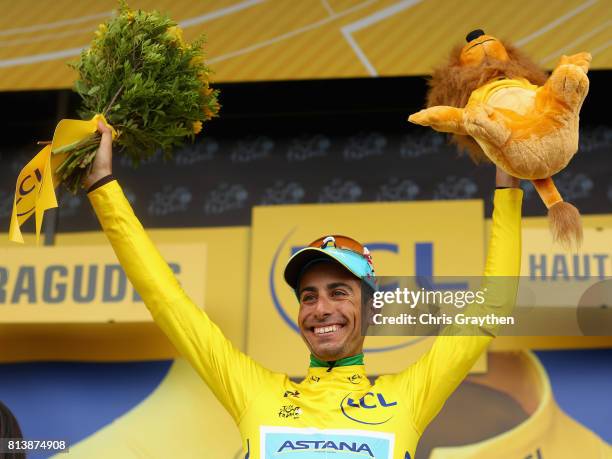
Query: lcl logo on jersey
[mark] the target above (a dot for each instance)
(371, 408)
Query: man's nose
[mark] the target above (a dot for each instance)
(323, 308)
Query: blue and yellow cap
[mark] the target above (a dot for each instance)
(344, 250)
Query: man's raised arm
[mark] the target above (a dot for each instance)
(431, 380)
(232, 376)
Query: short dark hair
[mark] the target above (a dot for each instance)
(9, 428)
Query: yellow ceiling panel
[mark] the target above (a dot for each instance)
(293, 39)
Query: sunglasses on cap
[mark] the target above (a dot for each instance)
(338, 241)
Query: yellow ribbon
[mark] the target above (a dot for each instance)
(35, 189)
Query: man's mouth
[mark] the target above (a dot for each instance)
(326, 330)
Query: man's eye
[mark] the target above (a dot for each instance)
(338, 293)
(307, 298)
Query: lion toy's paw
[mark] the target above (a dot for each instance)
(582, 60)
(441, 118)
(569, 83)
(432, 116)
(421, 117)
(481, 121)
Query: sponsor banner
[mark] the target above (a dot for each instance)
(542, 259)
(296, 443)
(226, 276)
(410, 239)
(225, 299)
(548, 263)
(84, 284)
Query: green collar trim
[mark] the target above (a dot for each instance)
(353, 360)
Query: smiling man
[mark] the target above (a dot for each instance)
(326, 277)
(335, 411)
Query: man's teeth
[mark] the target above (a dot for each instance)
(323, 330)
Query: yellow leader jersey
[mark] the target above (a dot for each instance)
(333, 413)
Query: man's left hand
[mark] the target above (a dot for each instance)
(504, 179)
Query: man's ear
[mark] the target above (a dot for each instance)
(367, 311)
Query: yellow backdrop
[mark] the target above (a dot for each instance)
(227, 280)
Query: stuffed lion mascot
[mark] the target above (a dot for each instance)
(499, 106)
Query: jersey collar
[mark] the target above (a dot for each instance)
(353, 360)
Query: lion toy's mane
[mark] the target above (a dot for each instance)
(452, 84)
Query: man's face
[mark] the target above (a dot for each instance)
(330, 311)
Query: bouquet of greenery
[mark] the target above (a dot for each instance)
(151, 86)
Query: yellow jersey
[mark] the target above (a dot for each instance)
(333, 412)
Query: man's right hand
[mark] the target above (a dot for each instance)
(103, 162)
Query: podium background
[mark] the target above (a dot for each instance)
(303, 123)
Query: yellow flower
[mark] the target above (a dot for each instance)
(204, 77)
(177, 34)
(130, 16)
(208, 113)
(197, 127)
(101, 30)
(196, 60)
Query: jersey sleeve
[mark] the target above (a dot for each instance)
(233, 377)
(429, 382)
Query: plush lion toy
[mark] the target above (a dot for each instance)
(500, 106)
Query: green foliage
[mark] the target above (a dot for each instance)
(152, 87)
